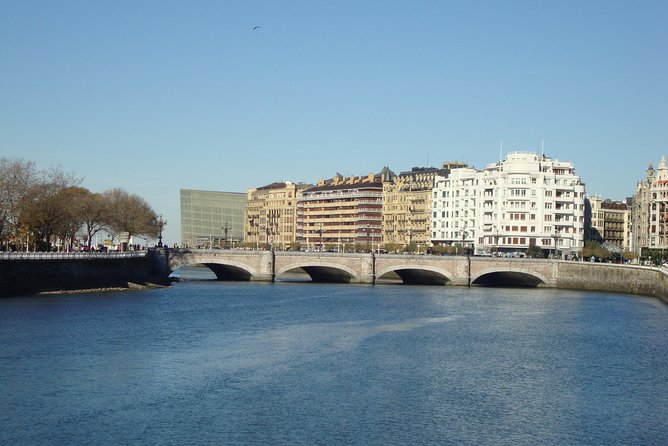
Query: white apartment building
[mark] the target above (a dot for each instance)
(527, 199)
(454, 207)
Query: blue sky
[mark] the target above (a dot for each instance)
(155, 96)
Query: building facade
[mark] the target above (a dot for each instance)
(608, 222)
(406, 213)
(455, 207)
(342, 211)
(271, 215)
(650, 210)
(211, 219)
(525, 200)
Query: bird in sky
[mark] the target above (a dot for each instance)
(256, 27)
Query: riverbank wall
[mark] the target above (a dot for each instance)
(34, 274)
(639, 280)
(31, 273)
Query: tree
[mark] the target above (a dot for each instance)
(95, 214)
(535, 252)
(391, 247)
(294, 246)
(16, 178)
(48, 212)
(130, 214)
(594, 248)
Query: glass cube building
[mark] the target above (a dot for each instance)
(211, 219)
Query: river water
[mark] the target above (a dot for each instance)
(295, 363)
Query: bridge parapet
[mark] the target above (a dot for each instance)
(450, 270)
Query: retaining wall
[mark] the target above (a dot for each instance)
(614, 278)
(33, 275)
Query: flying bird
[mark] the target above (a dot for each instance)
(256, 27)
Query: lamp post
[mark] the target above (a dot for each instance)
(225, 229)
(270, 241)
(555, 237)
(368, 238)
(464, 234)
(320, 232)
(161, 225)
(255, 224)
(496, 241)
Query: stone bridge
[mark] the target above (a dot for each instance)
(426, 269)
(26, 273)
(370, 268)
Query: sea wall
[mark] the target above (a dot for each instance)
(614, 278)
(33, 275)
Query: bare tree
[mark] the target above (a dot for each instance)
(16, 178)
(70, 218)
(130, 214)
(39, 207)
(45, 209)
(95, 214)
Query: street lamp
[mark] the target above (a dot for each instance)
(225, 229)
(464, 235)
(368, 238)
(320, 233)
(555, 237)
(161, 225)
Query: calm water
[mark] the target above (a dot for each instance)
(287, 363)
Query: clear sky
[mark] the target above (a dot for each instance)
(156, 96)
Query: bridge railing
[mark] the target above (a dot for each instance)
(69, 255)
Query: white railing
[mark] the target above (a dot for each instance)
(69, 255)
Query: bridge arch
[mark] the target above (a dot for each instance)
(417, 275)
(502, 277)
(224, 270)
(323, 272)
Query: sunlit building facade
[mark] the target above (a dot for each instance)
(271, 215)
(608, 222)
(407, 208)
(211, 219)
(650, 210)
(342, 211)
(526, 199)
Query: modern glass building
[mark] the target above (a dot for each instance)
(211, 219)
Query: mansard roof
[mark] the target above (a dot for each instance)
(339, 182)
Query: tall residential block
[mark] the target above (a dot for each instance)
(271, 215)
(650, 210)
(407, 207)
(608, 222)
(455, 207)
(526, 199)
(342, 211)
(211, 219)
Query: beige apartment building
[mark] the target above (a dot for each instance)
(342, 212)
(608, 222)
(270, 218)
(407, 207)
(650, 210)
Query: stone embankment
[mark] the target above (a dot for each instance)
(640, 280)
(32, 273)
